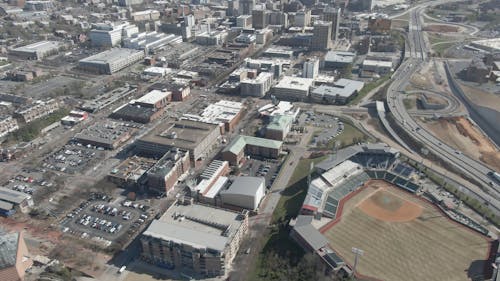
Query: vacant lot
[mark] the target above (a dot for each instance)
(420, 244)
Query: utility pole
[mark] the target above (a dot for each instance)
(357, 252)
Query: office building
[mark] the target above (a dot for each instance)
(146, 15)
(132, 172)
(37, 51)
(257, 87)
(278, 18)
(310, 68)
(338, 59)
(322, 36)
(259, 18)
(303, 18)
(293, 88)
(196, 137)
(195, 238)
(279, 127)
(246, 7)
(240, 146)
(244, 21)
(110, 61)
(106, 35)
(15, 259)
(171, 167)
(233, 7)
(333, 15)
(126, 3)
(244, 192)
(340, 93)
(226, 114)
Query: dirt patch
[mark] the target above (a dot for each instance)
(386, 206)
(481, 97)
(462, 135)
(440, 28)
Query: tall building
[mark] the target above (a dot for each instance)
(333, 15)
(303, 18)
(110, 35)
(233, 8)
(322, 36)
(246, 7)
(310, 68)
(259, 18)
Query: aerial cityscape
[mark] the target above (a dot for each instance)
(228, 140)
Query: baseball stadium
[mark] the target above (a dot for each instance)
(365, 204)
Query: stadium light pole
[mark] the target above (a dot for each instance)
(357, 252)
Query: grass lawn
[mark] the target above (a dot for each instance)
(368, 88)
(349, 136)
(442, 47)
(292, 197)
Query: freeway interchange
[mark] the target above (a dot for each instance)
(418, 56)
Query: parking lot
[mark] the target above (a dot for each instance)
(73, 158)
(268, 169)
(103, 219)
(329, 126)
(28, 182)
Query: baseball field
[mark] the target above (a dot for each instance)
(404, 238)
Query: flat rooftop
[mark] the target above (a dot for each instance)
(110, 56)
(12, 196)
(153, 97)
(107, 132)
(493, 43)
(8, 249)
(39, 46)
(185, 134)
(238, 143)
(295, 83)
(343, 88)
(132, 168)
(339, 57)
(199, 226)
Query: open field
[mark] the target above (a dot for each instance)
(481, 97)
(462, 135)
(405, 238)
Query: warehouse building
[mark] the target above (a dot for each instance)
(15, 259)
(37, 51)
(196, 137)
(195, 238)
(163, 176)
(293, 88)
(11, 199)
(244, 192)
(109, 135)
(341, 92)
(110, 61)
(154, 99)
(279, 127)
(110, 34)
(240, 146)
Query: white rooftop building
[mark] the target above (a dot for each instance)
(293, 88)
(244, 192)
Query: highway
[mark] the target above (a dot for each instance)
(418, 57)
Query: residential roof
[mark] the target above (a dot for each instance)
(8, 249)
(12, 196)
(280, 122)
(245, 186)
(239, 143)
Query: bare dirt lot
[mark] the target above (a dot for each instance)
(462, 135)
(481, 97)
(427, 247)
(441, 28)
